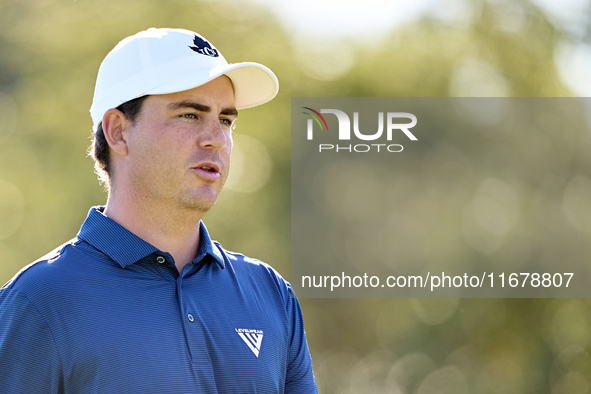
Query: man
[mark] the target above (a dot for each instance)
(142, 300)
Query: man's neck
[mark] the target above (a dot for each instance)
(170, 230)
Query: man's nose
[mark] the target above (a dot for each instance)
(214, 136)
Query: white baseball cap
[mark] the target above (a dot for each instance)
(161, 61)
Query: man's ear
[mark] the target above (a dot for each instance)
(114, 128)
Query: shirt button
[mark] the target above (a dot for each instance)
(190, 317)
(160, 259)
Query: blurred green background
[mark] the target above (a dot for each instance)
(50, 51)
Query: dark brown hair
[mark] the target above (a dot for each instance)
(99, 147)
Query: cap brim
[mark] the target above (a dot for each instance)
(254, 84)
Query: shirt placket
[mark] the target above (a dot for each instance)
(194, 330)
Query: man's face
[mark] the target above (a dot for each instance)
(179, 146)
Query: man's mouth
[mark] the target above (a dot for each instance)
(208, 172)
(208, 166)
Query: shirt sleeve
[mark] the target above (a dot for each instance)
(29, 360)
(300, 376)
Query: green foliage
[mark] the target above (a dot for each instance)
(50, 51)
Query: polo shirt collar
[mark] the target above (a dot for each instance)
(126, 248)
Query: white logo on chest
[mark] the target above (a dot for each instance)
(253, 338)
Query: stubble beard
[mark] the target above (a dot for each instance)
(201, 200)
(187, 200)
(177, 194)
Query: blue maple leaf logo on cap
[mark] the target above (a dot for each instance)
(203, 47)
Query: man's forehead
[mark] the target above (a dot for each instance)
(175, 105)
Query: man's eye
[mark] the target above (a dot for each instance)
(227, 122)
(189, 116)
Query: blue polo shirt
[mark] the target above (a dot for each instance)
(108, 313)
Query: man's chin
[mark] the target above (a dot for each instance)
(202, 202)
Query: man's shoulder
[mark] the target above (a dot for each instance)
(256, 270)
(39, 271)
(245, 263)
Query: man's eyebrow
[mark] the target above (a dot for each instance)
(229, 111)
(201, 107)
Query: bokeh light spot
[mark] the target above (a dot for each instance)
(577, 202)
(447, 380)
(8, 116)
(435, 310)
(324, 60)
(570, 325)
(12, 207)
(251, 165)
